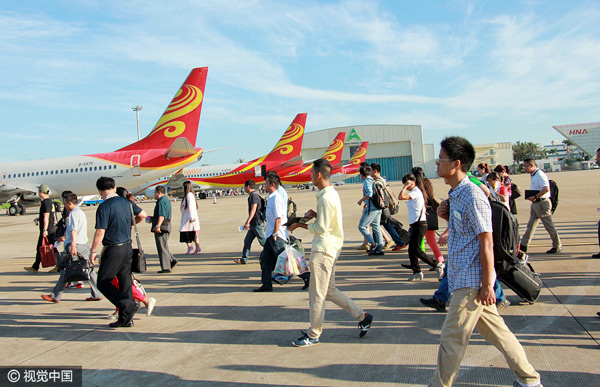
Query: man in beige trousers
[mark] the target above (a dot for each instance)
(471, 274)
(326, 247)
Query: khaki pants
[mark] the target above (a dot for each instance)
(541, 211)
(322, 287)
(465, 314)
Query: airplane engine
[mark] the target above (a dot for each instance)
(149, 192)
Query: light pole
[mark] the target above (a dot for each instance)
(137, 109)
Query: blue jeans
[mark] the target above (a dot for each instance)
(394, 234)
(372, 218)
(258, 232)
(443, 295)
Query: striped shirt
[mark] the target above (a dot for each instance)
(470, 215)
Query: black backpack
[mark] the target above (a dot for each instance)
(291, 209)
(505, 235)
(379, 199)
(553, 195)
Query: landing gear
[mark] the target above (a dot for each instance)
(16, 209)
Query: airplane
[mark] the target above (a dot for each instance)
(351, 168)
(284, 156)
(169, 147)
(333, 154)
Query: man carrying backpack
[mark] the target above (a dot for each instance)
(255, 223)
(371, 213)
(541, 208)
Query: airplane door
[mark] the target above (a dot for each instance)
(4, 178)
(135, 165)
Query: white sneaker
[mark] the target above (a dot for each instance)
(416, 277)
(439, 270)
(151, 304)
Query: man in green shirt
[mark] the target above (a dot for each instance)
(162, 217)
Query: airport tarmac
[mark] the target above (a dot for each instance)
(209, 328)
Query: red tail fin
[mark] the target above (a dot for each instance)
(333, 154)
(181, 117)
(360, 155)
(290, 144)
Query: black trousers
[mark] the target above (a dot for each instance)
(38, 258)
(268, 259)
(116, 262)
(417, 232)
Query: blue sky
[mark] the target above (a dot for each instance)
(487, 70)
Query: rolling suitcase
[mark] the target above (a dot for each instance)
(400, 230)
(523, 280)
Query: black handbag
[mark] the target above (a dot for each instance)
(431, 214)
(138, 261)
(515, 191)
(76, 268)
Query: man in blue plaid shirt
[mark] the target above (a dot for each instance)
(471, 272)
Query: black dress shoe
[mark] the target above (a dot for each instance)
(263, 289)
(163, 271)
(120, 324)
(554, 250)
(173, 264)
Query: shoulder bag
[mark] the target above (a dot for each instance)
(138, 262)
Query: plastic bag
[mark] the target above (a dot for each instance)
(290, 262)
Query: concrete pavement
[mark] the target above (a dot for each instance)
(208, 328)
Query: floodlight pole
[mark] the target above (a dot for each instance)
(137, 109)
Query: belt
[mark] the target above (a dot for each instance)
(540, 199)
(117, 245)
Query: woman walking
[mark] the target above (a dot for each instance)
(190, 225)
(431, 205)
(413, 193)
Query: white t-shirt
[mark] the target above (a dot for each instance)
(539, 181)
(276, 209)
(416, 206)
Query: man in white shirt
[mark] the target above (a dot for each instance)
(275, 232)
(540, 208)
(326, 247)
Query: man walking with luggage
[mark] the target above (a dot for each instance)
(113, 231)
(46, 225)
(541, 208)
(76, 245)
(161, 219)
(276, 214)
(471, 273)
(254, 225)
(326, 247)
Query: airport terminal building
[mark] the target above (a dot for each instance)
(397, 148)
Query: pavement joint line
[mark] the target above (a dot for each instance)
(572, 315)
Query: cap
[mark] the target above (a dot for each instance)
(44, 189)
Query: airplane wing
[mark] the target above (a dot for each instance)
(8, 192)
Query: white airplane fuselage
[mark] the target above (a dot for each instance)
(74, 173)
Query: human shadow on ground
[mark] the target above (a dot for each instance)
(418, 374)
